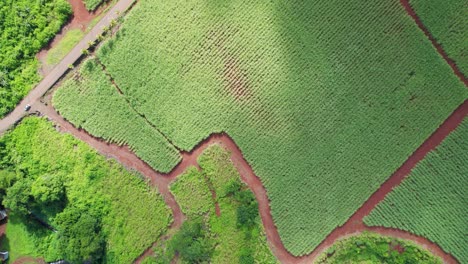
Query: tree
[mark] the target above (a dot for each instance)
(48, 189)
(79, 236)
(18, 197)
(192, 242)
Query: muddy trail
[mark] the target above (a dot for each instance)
(352, 226)
(29, 260)
(80, 19)
(409, 9)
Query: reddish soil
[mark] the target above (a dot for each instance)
(409, 9)
(80, 19)
(217, 209)
(353, 226)
(237, 83)
(29, 260)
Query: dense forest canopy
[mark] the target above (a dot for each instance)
(25, 27)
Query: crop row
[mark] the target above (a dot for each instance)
(320, 96)
(431, 202)
(90, 101)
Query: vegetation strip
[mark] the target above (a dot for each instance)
(353, 225)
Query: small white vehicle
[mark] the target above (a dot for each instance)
(3, 214)
(27, 107)
(4, 255)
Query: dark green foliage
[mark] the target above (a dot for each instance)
(373, 248)
(432, 201)
(25, 27)
(192, 242)
(7, 179)
(18, 197)
(247, 212)
(246, 256)
(48, 188)
(79, 236)
(93, 203)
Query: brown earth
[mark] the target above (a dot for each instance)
(25, 260)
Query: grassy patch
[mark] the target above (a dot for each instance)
(21, 241)
(65, 45)
(192, 193)
(237, 235)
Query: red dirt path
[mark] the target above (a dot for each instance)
(409, 9)
(24, 260)
(352, 226)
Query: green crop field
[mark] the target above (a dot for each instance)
(320, 96)
(373, 248)
(237, 233)
(97, 208)
(446, 20)
(432, 201)
(90, 101)
(25, 27)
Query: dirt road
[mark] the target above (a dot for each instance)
(49, 80)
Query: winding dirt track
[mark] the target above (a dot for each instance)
(353, 226)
